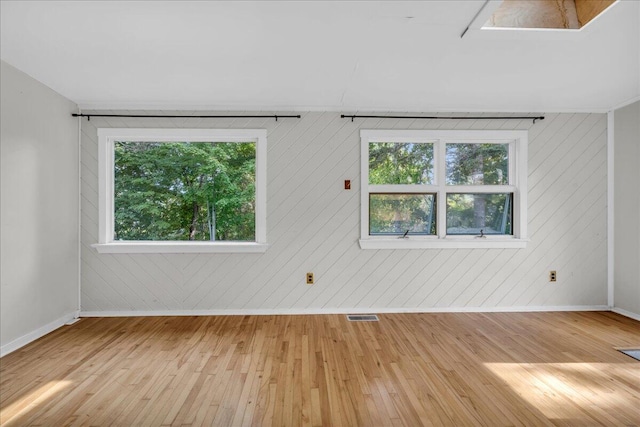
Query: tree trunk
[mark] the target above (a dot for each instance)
(194, 222)
(211, 211)
(479, 211)
(397, 222)
(479, 202)
(211, 220)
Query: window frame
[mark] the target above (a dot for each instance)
(518, 142)
(106, 163)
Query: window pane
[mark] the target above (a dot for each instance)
(481, 164)
(397, 213)
(184, 191)
(400, 163)
(470, 213)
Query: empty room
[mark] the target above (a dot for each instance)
(320, 213)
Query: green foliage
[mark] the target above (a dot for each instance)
(400, 163)
(470, 213)
(486, 164)
(178, 190)
(397, 213)
(466, 164)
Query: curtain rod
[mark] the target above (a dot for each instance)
(297, 116)
(355, 116)
(153, 116)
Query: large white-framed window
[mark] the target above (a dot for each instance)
(443, 189)
(182, 190)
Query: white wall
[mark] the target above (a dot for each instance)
(39, 209)
(627, 209)
(313, 225)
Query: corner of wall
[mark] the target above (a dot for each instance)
(625, 249)
(39, 170)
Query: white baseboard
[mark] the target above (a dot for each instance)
(626, 313)
(302, 311)
(38, 333)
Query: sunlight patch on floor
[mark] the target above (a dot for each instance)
(561, 390)
(32, 400)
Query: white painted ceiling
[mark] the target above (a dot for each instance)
(346, 56)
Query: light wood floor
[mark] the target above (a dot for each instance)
(497, 369)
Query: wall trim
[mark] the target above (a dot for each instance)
(38, 333)
(610, 208)
(79, 214)
(338, 310)
(626, 313)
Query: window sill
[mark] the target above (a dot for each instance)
(446, 243)
(179, 247)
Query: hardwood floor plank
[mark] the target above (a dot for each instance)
(441, 369)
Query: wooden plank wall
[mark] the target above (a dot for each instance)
(313, 225)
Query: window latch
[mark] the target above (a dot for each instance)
(405, 235)
(481, 236)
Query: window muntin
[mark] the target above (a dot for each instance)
(249, 177)
(402, 214)
(478, 182)
(166, 191)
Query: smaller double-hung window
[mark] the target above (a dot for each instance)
(458, 189)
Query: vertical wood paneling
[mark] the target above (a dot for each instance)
(313, 225)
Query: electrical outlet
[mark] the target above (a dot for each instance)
(552, 276)
(347, 184)
(309, 278)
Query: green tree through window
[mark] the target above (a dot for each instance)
(184, 191)
(477, 164)
(400, 163)
(404, 163)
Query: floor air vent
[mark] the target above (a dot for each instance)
(362, 318)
